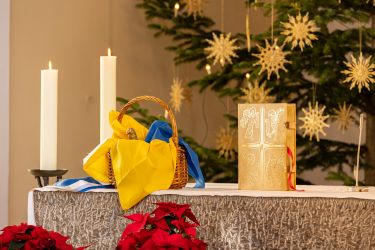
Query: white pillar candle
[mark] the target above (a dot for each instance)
(48, 119)
(107, 93)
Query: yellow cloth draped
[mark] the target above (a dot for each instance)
(140, 168)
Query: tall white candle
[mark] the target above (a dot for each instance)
(48, 119)
(107, 93)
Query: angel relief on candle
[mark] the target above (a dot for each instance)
(272, 123)
(250, 120)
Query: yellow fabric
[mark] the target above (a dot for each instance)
(119, 129)
(140, 168)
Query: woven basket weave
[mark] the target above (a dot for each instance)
(181, 171)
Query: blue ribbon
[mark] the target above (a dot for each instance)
(87, 183)
(162, 131)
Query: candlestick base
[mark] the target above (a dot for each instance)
(46, 174)
(357, 189)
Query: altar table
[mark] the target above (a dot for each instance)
(321, 217)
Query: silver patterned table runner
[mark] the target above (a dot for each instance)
(228, 222)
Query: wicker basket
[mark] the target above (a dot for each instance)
(181, 172)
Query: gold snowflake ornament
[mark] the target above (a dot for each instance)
(225, 143)
(255, 94)
(177, 94)
(360, 72)
(300, 31)
(194, 7)
(314, 121)
(271, 59)
(222, 49)
(344, 116)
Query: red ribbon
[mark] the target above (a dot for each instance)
(291, 171)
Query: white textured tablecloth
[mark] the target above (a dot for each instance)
(226, 189)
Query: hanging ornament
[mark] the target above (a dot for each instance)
(300, 31)
(360, 72)
(272, 59)
(314, 121)
(177, 94)
(255, 94)
(194, 7)
(225, 143)
(248, 41)
(344, 116)
(221, 49)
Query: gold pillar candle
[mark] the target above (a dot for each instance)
(265, 132)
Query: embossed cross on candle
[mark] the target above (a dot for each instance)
(262, 143)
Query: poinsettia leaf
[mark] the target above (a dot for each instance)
(197, 244)
(16, 245)
(29, 230)
(139, 223)
(149, 244)
(162, 224)
(169, 207)
(191, 231)
(135, 217)
(82, 248)
(188, 213)
(127, 243)
(160, 213)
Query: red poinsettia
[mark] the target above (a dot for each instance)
(28, 237)
(169, 226)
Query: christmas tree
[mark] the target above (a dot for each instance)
(327, 72)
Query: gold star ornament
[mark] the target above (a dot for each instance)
(360, 72)
(221, 49)
(254, 93)
(272, 58)
(225, 143)
(194, 7)
(344, 116)
(177, 94)
(314, 121)
(300, 31)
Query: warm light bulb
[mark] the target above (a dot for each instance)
(177, 6)
(109, 52)
(247, 76)
(49, 65)
(208, 69)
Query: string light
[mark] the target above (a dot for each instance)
(208, 69)
(176, 9)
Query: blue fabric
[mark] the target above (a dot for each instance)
(162, 131)
(86, 184)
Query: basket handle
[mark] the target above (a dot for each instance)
(171, 117)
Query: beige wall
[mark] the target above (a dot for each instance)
(4, 110)
(73, 34)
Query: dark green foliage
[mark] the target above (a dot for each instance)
(320, 65)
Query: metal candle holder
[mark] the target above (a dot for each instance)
(46, 174)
